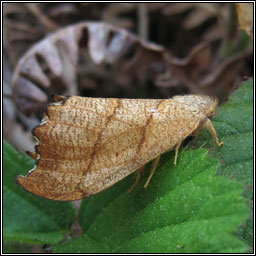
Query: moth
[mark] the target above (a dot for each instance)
(85, 145)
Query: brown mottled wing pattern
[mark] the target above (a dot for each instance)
(88, 144)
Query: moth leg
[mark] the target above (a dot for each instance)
(155, 164)
(176, 152)
(209, 126)
(136, 181)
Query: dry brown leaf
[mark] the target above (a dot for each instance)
(14, 132)
(48, 23)
(245, 16)
(26, 23)
(113, 14)
(52, 65)
(196, 73)
(221, 81)
(20, 30)
(186, 71)
(197, 14)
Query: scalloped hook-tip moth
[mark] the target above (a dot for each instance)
(85, 145)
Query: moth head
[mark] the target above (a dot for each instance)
(205, 104)
(212, 104)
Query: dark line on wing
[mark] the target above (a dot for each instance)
(143, 137)
(99, 137)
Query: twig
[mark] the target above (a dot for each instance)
(143, 21)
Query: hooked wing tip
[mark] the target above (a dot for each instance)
(18, 179)
(31, 185)
(21, 180)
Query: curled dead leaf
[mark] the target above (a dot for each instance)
(186, 70)
(55, 64)
(199, 75)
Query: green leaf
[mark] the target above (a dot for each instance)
(28, 218)
(234, 123)
(10, 247)
(185, 209)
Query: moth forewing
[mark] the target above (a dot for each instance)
(86, 145)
